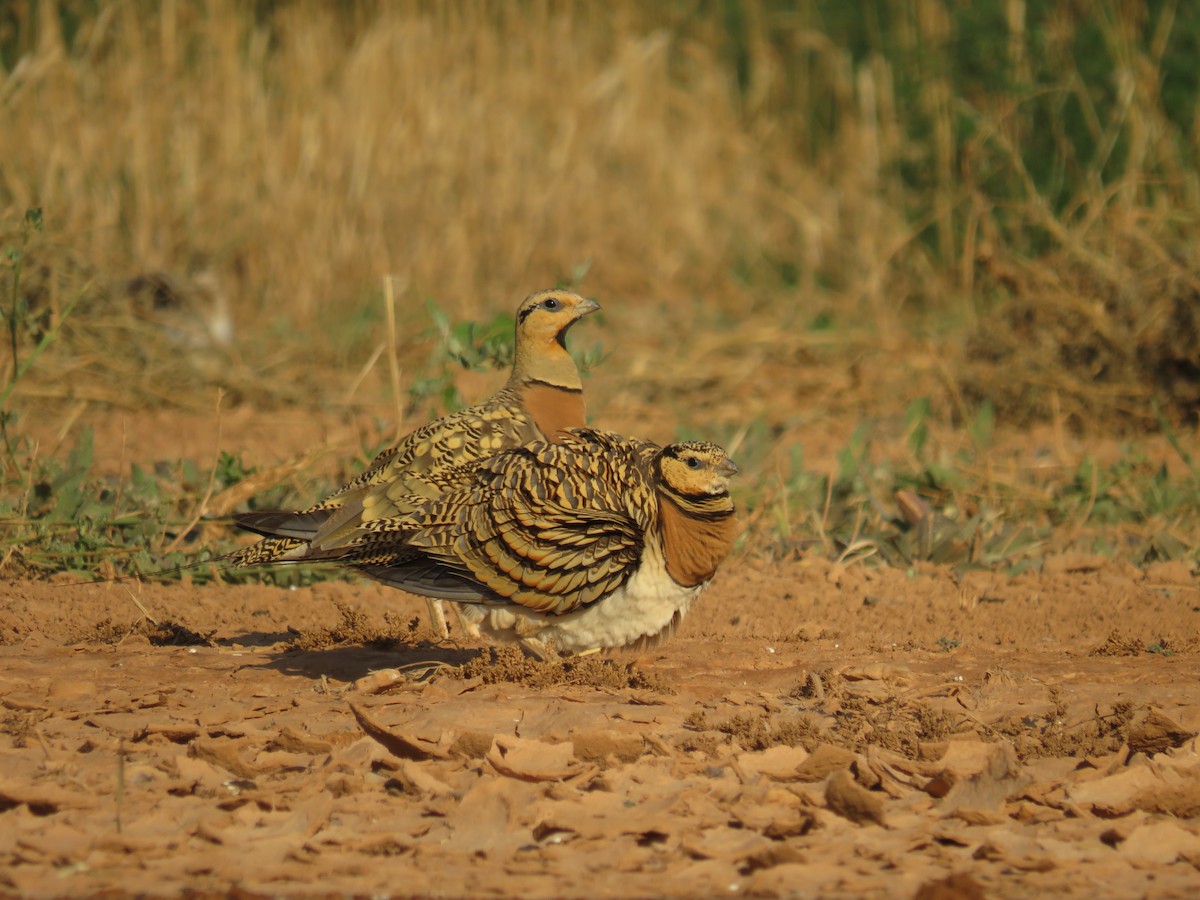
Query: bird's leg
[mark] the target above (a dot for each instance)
(437, 617)
(468, 628)
(539, 650)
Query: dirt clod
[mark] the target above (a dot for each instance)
(851, 801)
(1156, 733)
(1118, 644)
(510, 664)
(959, 886)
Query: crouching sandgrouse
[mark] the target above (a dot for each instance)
(543, 397)
(580, 544)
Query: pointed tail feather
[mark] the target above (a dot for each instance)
(427, 579)
(283, 523)
(268, 550)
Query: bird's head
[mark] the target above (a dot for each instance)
(696, 474)
(544, 318)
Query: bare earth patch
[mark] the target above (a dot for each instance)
(815, 729)
(1007, 384)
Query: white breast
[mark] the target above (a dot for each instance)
(642, 607)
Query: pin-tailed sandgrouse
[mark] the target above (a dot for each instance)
(542, 398)
(589, 542)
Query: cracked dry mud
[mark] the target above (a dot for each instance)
(793, 740)
(814, 730)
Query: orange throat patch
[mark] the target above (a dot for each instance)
(553, 409)
(694, 547)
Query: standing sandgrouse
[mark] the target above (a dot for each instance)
(543, 397)
(589, 542)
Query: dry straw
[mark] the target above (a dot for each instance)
(741, 171)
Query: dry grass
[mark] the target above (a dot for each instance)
(474, 150)
(716, 178)
(1087, 346)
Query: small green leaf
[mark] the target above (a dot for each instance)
(916, 425)
(823, 321)
(984, 426)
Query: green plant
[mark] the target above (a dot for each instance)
(931, 503)
(916, 426)
(983, 426)
(14, 315)
(62, 518)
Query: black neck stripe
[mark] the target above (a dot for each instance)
(697, 502)
(556, 387)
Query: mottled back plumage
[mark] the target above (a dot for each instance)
(544, 395)
(591, 541)
(551, 526)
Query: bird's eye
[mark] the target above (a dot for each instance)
(693, 462)
(551, 303)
